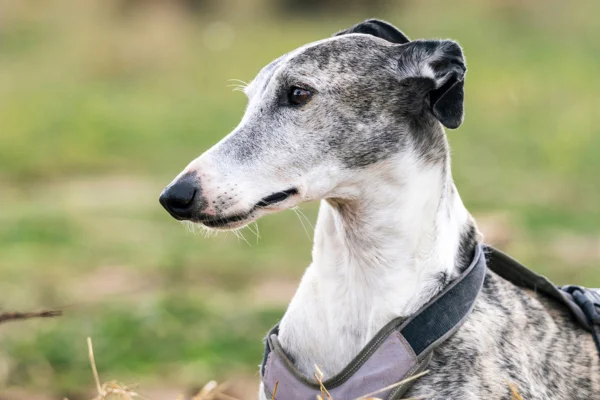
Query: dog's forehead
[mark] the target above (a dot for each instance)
(323, 56)
(338, 49)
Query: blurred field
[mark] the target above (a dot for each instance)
(101, 107)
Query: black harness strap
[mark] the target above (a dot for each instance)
(589, 302)
(583, 303)
(445, 313)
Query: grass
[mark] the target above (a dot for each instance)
(98, 111)
(113, 389)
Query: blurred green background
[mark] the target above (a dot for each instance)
(103, 102)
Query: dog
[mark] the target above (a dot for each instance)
(357, 121)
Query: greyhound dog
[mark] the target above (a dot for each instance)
(356, 121)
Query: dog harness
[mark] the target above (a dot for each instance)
(583, 303)
(404, 346)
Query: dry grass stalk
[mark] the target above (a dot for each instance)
(213, 391)
(325, 395)
(369, 396)
(15, 316)
(514, 392)
(113, 390)
(110, 389)
(206, 391)
(319, 377)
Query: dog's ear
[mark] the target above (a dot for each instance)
(378, 28)
(442, 64)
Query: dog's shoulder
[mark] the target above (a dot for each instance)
(514, 337)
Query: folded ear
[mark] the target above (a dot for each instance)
(442, 62)
(378, 28)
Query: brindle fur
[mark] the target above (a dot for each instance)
(513, 337)
(370, 144)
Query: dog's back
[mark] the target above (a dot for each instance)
(518, 340)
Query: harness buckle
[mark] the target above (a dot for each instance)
(588, 300)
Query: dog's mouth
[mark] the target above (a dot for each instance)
(276, 198)
(226, 222)
(239, 220)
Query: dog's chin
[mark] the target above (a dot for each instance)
(225, 225)
(239, 221)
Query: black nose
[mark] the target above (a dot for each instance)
(178, 198)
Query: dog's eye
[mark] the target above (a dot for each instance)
(298, 96)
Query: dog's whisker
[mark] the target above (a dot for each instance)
(238, 80)
(305, 217)
(238, 88)
(238, 233)
(295, 209)
(244, 238)
(238, 85)
(255, 231)
(209, 232)
(189, 226)
(204, 232)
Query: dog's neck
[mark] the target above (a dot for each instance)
(380, 256)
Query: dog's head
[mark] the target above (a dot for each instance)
(318, 118)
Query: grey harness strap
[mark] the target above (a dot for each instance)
(404, 346)
(399, 350)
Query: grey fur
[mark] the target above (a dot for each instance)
(372, 100)
(363, 80)
(515, 337)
